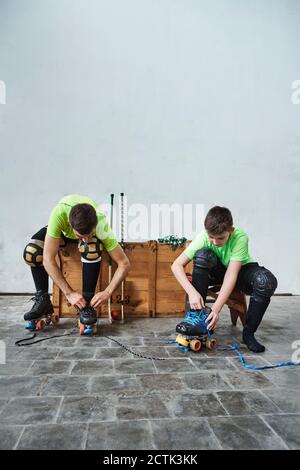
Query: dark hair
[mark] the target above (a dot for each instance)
(83, 218)
(218, 220)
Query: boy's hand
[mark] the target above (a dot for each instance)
(196, 301)
(212, 319)
(99, 299)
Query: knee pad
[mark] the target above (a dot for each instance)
(205, 258)
(33, 253)
(90, 252)
(264, 283)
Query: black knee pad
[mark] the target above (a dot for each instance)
(205, 259)
(264, 284)
(90, 252)
(33, 253)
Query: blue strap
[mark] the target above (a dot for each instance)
(235, 348)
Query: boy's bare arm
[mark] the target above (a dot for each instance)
(228, 285)
(195, 299)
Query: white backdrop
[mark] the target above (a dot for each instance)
(170, 101)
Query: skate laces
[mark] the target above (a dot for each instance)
(198, 318)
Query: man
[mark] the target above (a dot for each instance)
(74, 218)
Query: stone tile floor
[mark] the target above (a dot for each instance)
(90, 393)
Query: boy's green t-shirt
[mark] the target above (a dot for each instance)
(59, 221)
(235, 249)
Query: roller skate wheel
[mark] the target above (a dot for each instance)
(81, 328)
(182, 341)
(40, 324)
(195, 345)
(55, 319)
(88, 330)
(211, 344)
(30, 326)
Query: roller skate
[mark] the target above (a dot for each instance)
(41, 313)
(87, 321)
(193, 332)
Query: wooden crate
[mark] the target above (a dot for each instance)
(150, 287)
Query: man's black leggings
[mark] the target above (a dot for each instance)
(90, 270)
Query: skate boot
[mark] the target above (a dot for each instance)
(193, 332)
(88, 320)
(42, 307)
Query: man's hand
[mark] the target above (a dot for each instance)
(76, 299)
(213, 319)
(196, 301)
(99, 299)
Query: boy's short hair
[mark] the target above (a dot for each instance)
(218, 220)
(83, 218)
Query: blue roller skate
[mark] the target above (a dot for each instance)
(193, 332)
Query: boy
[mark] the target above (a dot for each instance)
(220, 256)
(74, 218)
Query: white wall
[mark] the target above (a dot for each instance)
(167, 100)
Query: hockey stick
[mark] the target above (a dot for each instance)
(122, 245)
(110, 260)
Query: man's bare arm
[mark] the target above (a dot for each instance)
(117, 255)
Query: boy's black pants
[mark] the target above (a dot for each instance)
(253, 280)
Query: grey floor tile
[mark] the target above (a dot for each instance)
(145, 407)
(161, 381)
(49, 367)
(31, 353)
(120, 436)
(175, 365)
(53, 437)
(246, 380)
(246, 403)
(14, 386)
(134, 366)
(76, 353)
(168, 434)
(87, 409)
(117, 383)
(287, 427)
(60, 385)
(151, 352)
(288, 400)
(9, 436)
(246, 432)
(93, 367)
(92, 342)
(208, 380)
(15, 368)
(30, 410)
(288, 377)
(112, 353)
(195, 405)
(126, 341)
(212, 363)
